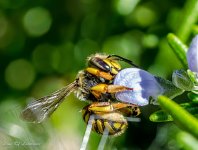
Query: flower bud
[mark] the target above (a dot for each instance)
(181, 80)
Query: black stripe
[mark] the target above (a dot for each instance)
(96, 127)
(84, 116)
(102, 122)
(121, 126)
(111, 124)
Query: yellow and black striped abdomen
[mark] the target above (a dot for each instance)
(113, 122)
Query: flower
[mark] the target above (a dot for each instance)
(145, 86)
(192, 55)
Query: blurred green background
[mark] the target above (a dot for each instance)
(43, 45)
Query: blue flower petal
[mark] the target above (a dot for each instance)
(143, 83)
(145, 86)
(192, 55)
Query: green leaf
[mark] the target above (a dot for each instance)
(187, 141)
(179, 48)
(192, 76)
(183, 118)
(189, 18)
(163, 116)
(194, 97)
(160, 116)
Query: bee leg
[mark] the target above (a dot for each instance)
(127, 109)
(105, 88)
(99, 73)
(106, 107)
(101, 107)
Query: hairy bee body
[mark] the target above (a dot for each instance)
(95, 85)
(85, 82)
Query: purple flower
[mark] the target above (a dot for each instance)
(145, 86)
(192, 55)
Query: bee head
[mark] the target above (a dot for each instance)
(105, 63)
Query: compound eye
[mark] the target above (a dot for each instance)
(98, 62)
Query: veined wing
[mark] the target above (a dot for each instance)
(42, 108)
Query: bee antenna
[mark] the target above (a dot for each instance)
(119, 58)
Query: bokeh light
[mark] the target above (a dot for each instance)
(142, 16)
(45, 57)
(19, 74)
(145, 16)
(124, 45)
(150, 41)
(83, 49)
(37, 21)
(125, 7)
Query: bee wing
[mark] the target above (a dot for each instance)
(42, 108)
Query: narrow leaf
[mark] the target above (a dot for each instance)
(187, 141)
(179, 48)
(193, 97)
(163, 116)
(189, 18)
(183, 118)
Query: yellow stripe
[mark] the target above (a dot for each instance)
(99, 125)
(124, 126)
(117, 125)
(110, 129)
(87, 117)
(101, 108)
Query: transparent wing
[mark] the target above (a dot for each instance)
(42, 108)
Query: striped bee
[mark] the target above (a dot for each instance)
(95, 85)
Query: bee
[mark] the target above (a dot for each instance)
(94, 85)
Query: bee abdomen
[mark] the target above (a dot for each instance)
(113, 128)
(114, 123)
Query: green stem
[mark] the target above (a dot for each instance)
(189, 18)
(180, 115)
